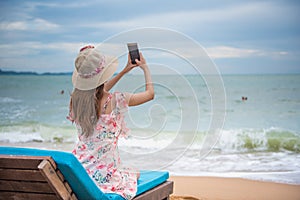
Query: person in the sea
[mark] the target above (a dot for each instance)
(244, 98)
(99, 118)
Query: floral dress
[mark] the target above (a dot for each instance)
(99, 152)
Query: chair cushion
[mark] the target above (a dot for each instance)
(82, 185)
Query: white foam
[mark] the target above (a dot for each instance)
(9, 100)
(18, 137)
(273, 167)
(142, 146)
(37, 133)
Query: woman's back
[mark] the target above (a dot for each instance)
(99, 153)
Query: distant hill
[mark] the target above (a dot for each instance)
(33, 73)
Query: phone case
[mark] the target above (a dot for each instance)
(134, 52)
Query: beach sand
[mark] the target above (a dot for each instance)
(215, 188)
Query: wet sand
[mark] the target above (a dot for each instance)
(231, 188)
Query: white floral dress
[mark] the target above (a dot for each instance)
(99, 152)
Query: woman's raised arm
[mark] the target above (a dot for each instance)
(110, 84)
(148, 94)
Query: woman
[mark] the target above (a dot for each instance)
(99, 118)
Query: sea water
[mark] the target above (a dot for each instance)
(259, 139)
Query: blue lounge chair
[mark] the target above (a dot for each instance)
(72, 183)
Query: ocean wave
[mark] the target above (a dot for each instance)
(9, 100)
(231, 141)
(253, 140)
(35, 132)
(18, 137)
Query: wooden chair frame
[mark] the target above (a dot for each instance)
(37, 177)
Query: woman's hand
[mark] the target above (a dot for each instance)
(129, 66)
(142, 62)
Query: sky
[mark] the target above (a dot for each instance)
(241, 37)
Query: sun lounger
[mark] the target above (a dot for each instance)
(43, 174)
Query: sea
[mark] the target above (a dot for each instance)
(257, 134)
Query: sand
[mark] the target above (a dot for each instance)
(231, 188)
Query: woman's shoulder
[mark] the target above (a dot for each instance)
(116, 93)
(120, 100)
(119, 95)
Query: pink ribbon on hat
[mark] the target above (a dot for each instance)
(97, 70)
(86, 47)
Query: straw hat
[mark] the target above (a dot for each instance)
(92, 68)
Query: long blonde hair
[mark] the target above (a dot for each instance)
(85, 108)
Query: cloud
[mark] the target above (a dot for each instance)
(231, 52)
(215, 52)
(34, 48)
(68, 4)
(38, 56)
(218, 52)
(194, 18)
(37, 24)
(11, 26)
(249, 29)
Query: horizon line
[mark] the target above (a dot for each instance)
(13, 72)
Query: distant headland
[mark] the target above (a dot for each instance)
(4, 72)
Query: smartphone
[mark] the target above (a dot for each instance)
(133, 51)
